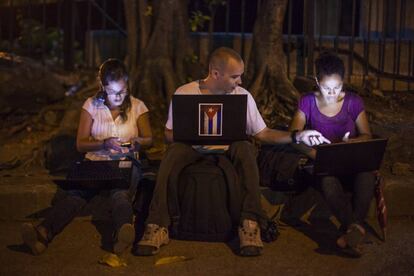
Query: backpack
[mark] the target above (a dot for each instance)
(204, 200)
(61, 153)
(280, 170)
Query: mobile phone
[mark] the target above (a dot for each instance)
(126, 144)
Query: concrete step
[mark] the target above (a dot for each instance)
(29, 196)
(398, 193)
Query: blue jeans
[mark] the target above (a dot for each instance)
(64, 211)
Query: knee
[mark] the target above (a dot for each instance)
(176, 149)
(75, 193)
(368, 177)
(367, 180)
(72, 201)
(242, 148)
(331, 187)
(77, 197)
(121, 196)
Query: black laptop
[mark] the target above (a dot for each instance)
(109, 174)
(348, 157)
(209, 119)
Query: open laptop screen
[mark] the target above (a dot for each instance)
(349, 157)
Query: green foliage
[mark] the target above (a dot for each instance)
(148, 12)
(197, 20)
(193, 58)
(37, 42)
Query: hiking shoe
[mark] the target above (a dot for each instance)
(154, 237)
(33, 239)
(124, 238)
(250, 241)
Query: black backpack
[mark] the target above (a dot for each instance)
(204, 200)
(280, 169)
(61, 153)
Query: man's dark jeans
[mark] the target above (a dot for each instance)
(243, 157)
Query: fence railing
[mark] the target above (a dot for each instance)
(374, 37)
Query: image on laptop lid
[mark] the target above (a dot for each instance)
(349, 157)
(209, 119)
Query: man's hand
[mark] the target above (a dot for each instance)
(311, 138)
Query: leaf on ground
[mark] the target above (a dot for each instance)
(112, 260)
(173, 259)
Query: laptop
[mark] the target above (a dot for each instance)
(109, 174)
(348, 157)
(209, 119)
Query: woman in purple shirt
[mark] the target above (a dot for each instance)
(340, 116)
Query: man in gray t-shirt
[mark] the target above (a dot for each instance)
(225, 70)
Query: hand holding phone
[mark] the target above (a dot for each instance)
(112, 144)
(126, 144)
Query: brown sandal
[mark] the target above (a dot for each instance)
(33, 239)
(353, 240)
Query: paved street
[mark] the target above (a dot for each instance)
(300, 250)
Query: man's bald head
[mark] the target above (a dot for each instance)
(221, 57)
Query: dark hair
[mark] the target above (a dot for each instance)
(221, 56)
(113, 70)
(327, 64)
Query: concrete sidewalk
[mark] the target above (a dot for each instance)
(305, 249)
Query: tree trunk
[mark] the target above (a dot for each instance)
(162, 51)
(266, 74)
(132, 31)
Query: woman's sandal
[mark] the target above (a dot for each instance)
(352, 241)
(33, 239)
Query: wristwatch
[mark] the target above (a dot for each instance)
(293, 136)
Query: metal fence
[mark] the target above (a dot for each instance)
(374, 37)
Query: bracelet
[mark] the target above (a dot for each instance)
(293, 136)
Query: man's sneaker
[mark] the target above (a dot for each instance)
(250, 240)
(33, 239)
(154, 237)
(124, 238)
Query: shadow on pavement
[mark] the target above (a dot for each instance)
(19, 248)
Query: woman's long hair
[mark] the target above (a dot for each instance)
(109, 71)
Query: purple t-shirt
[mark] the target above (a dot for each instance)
(333, 128)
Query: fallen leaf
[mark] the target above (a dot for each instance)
(173, 259)
(112, 260)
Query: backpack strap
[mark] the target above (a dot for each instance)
(136, 175)
(172, 198)
(234, 192)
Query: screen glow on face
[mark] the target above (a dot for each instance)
(113, 92)
(116, 92)
(331, 85)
